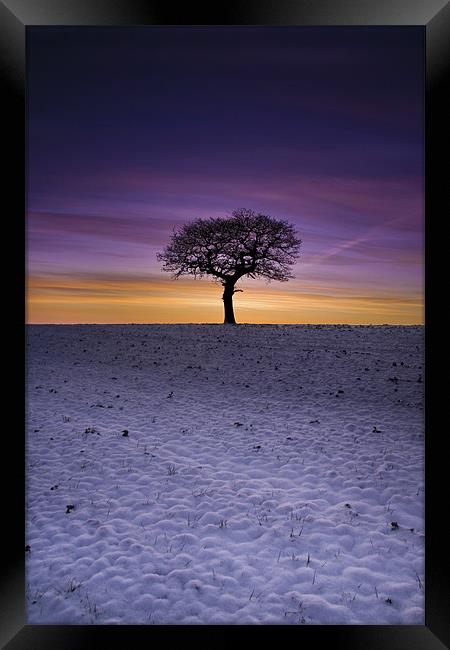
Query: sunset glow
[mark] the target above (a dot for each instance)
(134, 131)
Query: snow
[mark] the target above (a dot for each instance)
(268, 474)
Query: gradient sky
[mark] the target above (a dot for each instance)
(133, 131)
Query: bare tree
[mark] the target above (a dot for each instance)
(228, 248)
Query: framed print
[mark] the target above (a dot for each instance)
(230, 414)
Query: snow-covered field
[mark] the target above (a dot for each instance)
(218, 474)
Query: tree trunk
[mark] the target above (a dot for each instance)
(228, 303)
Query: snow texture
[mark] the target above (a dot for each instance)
(210, 474)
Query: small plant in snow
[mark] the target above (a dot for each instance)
(171, 470)
(192, 522)
(419, 581)
(298, 612)
(201, 492)
(72, 586)
(35, 597)
(92, 610)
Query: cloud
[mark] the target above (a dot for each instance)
(135, 293)
(129, 228)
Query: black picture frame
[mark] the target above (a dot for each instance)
(15, 17)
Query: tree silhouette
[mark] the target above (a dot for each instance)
(228, 248)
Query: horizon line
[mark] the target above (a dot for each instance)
(243, 323)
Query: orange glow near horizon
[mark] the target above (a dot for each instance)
(89, 300)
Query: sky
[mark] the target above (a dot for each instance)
(132, 132)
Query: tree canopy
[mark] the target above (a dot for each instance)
(227, 248)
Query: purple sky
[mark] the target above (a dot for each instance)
(133, 131)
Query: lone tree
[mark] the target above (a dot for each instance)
(228, 248)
